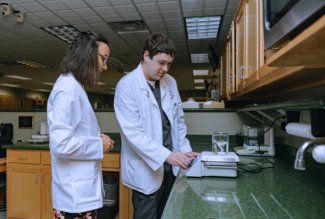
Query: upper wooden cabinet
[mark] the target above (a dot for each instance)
(307, 49)
(249, 44)
(253, 73)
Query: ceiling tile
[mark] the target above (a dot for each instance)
(85, 12)
(125, 9)
(54, 5)
(130, 17)
(66, 14)
(98, 3)
(33, 7)
(148, 7)
(120, 2)
(191, 4)
(151, 15)
(215, 3)
(75, 3)
(47, 15)
(170, 5)
(193, 13)
(214, 11)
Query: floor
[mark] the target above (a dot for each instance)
(2, 215)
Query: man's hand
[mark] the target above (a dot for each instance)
(192, 154)
(179, 159)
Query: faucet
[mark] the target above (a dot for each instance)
(300, 156)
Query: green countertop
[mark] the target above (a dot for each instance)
(280, 192)
(44, 146)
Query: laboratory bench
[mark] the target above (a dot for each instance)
(29, 181)
(263, 188)
(276, 191)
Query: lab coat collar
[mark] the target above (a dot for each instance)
(144, 85)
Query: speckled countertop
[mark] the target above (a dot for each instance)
(44, 146)
(279, 192)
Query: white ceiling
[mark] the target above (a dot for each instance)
(28, 41)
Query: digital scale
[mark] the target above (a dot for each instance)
(209, 163)
(39, 139)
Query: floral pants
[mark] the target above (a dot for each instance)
(83, 215)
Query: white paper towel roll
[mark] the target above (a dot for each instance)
(319, 153)
(300, 129)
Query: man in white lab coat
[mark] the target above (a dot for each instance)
(154, 144)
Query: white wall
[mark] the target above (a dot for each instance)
(198, 123)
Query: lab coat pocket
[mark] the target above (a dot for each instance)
(135, 173)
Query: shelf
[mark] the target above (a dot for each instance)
(288, 105)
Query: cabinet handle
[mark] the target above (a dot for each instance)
(241, 73)
(42, 179)
(22, 158)
(37, 175)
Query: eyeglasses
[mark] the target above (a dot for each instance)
(104, 58)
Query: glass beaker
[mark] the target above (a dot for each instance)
(220, 143)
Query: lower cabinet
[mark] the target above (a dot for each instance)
(29, 184)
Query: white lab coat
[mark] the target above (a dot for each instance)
(138, 114)
(76, 148)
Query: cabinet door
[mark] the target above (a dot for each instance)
(254, 48)
(47, 210)
(249, 43)
(23, 193)
(240, 47)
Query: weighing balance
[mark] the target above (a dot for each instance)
(209, 163)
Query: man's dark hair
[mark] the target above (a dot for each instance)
(159, 43)
(81, 58)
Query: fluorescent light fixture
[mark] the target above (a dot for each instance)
(116, 61)
(43, 90)
(67, 33)
(32, 64)
(17, 77)
(198, 81)
(202, 27)
(9, 85)
(201, 72)
(49, 83)
(101, 83)
(199, 58)
(199, 87)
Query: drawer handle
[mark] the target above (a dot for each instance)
(22, 158)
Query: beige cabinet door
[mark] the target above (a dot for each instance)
(47, 210)
(249, 44)
(23, 193)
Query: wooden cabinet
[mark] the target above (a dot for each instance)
(111, 163)
(29, 184)
(227, 67)
(307, 49)
(249, 44)
(253, 73)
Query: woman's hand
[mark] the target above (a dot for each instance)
(108, 143)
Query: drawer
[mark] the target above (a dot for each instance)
(24, 156)
(111, 160)
(46, 158)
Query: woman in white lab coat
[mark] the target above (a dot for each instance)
(76, 144)
(138, 112)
